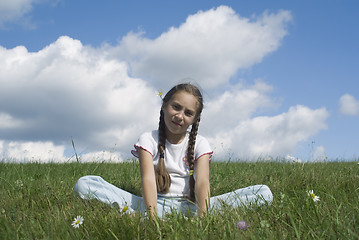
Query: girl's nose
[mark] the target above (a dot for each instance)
(179, 115)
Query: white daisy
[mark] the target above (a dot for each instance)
(160, 93)
(313, 196)
(77, 221)
(124, 209)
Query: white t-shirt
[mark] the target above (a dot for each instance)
(175, 159)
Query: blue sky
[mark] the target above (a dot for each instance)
(300, 71)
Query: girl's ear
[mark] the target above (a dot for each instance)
(198, 118)
(164, 105)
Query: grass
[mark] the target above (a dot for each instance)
(37, 202)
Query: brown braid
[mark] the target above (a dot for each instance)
(163, 179)
(191, 158)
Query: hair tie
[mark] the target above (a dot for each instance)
(162, 155)
(191, 172)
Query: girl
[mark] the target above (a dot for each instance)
(174, 164)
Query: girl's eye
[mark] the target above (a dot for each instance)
(189, 114)
(176, 107)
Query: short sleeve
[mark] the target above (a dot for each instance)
(147, 142)
(202, 147)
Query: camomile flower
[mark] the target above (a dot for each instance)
(19, 183)
(124, 209)
(160, 93)
(77, 221)
(313, 196)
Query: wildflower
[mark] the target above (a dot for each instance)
(160, 94)
(243, 225)
(282, 197)
(313, 196)
(125, 209)
(19, 183)
(265, 224)
(77, 221)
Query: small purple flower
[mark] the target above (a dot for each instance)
(243, 225)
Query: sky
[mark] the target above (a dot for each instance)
(280, 79)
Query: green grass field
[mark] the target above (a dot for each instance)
(37, 202)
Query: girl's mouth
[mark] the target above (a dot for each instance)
(177, 124)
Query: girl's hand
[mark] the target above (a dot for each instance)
(149, 190)
(202, 186)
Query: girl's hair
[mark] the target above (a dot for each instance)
(163, 180)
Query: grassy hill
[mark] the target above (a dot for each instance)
(37, 202)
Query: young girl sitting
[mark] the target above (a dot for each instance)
(174, 164)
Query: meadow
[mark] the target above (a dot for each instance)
(37, 202)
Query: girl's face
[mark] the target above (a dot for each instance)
(179, 113)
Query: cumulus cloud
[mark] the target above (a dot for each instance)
(11, 10)
(240, 102)
(104, 98)
(210, 46)
(348, 105)
(66, 90)
(31, 151)
(19, 10)
(266, 136)
(319, 154)
(8, 122)
(292, 159)
(101, 156)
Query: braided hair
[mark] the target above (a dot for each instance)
(163, 179)
(191, 158)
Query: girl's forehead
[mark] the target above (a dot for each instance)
(186, 99)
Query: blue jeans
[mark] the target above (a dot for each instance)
(95, 187)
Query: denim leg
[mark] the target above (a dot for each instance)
(178, 205)
(95, 187)
(252, 195)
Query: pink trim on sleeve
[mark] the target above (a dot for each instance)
(210, 156)
(135, 152)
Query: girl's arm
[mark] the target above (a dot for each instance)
(149, 190)
(202, 188)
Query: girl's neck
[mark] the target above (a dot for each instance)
(175, 138)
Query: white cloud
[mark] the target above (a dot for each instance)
(292, 159)
(209, 47)
(1, 148)
(8, 122)
(348, 105)
(319, 154)
(270, 136)
(11, 10)
(18, 11)
(239, 103)
(32, 151)
(101, 156)
(69, 90)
